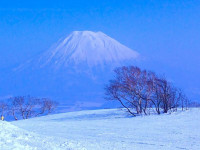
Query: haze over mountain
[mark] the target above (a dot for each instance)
(73, 70)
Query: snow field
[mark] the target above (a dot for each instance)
(14, 138)
(113, 129)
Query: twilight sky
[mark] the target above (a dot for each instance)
(165, 32)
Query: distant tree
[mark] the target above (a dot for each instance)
(194, 104)
(14, 111)
(26, 106)
(23, 105)
(46, 105)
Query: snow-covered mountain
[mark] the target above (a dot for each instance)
(74, 70)
(84, 48)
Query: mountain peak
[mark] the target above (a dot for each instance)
(87, 33)
(85, 48)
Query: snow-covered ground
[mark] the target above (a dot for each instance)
(14, 138)
(109, 129)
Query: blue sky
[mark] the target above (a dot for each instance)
(165, 32)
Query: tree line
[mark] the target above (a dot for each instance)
(24, 107)
(143, 92)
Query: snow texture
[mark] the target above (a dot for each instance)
(109, 129)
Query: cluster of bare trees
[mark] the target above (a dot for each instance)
(143, 92)
(24, 107)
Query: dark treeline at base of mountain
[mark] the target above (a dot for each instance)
(141, 91)
(25, 107)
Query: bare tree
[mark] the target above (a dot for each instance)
(130, 88)
(155, 91)
(164, 93)
(139, 90)
(13, 112)
(23, 106)
(46, 105)
(183, 100)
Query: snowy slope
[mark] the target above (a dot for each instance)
(112, 129)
